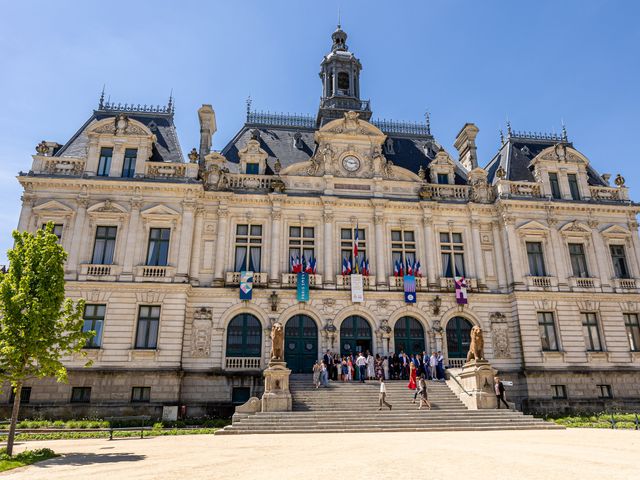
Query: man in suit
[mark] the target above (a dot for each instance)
(499, 388)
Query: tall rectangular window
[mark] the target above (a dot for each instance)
(57, 230)
(301, 243)
(253, 168)
(443, 178)
(347, 239)
(632, 326)
(578, 260)
(403, 247)
(248, 248)
(547, 329)
(140, 394)
(619, 259)
(555, 185)
(536, 259)
(148, 322)
(104, 246)
(158, 251)
(591, 332)
(104, 163)
(573, 186)
(93, 321)
(558, 391)
(605, 391)
(129, 164)
(452, 254)
(25, 395)
(81, 395)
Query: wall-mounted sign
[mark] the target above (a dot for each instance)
(303, 287)
(409, 289)
(357, 288)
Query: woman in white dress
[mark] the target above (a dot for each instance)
(385, 367)
(371, 367)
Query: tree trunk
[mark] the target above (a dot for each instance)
(14, 418)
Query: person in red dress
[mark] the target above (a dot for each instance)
(412, 376)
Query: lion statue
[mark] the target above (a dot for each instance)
(277, 341)
(476, 349)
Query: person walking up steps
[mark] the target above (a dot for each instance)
(499, 387)
(361, 363)
(383, 395)
(316, 374)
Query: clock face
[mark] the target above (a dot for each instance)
(351, 163)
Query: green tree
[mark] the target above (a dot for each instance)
(38, 326)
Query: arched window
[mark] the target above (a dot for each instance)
(409, 336)
(343, 83)
(458, 337)
(244, 336)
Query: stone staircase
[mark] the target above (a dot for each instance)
(353, 407)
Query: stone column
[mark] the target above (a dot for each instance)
(329, 273)
(28, 201)
(603, 258)
(276, 245)
(470, 263)
(634, 246)
(186, 240)
(563, 181)
(77, 240)
(218, 271)
(430, 246)
(196, 249)
(558, 257)
(477, 252)
(118, 159)
(131, 248)
(513, 246)
(381, 271)
(144, 154)
(93, 156)
(499, 252)
(583, 183)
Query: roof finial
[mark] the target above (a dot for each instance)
(170, 104)
(101, 102)
(501, 137)
(248, 106)
(508, 129)
(427, 119)
(564, 132)
(339, 16)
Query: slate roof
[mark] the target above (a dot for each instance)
(518, 151)
(165, 149)
(409, 150)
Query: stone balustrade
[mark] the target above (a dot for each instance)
(625, 285)
(167, 170)
(509, 189)
(155, 273)
(449, 284)
(242, 363)
(259, 278)
(70, 166)
(290, 280)
(107, 273)
(397, 283)
(612, 194)
(541, 283)
(435, 191)
(239, 181)
(344, 282)
(582, 283)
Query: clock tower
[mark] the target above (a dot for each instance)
(340, 75)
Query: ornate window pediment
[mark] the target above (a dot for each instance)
(120, 125)
(53, 208)
(616, 231)
(575, 228)
(560, 153)
(533, 227)
(160, 213)
(107, 207)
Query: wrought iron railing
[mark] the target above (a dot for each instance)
(281, 119)
(408, 128)
(133, 108)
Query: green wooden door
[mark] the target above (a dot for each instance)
(355, 336)
(458, 337)
(301, 344)
(409, 336)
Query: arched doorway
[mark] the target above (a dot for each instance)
(300, 343)
(458, 337)
(244, 336)
(409, 336)
(355, 336)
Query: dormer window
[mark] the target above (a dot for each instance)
(253, 169)
(573, 186)
(129, 164)
(555, 185)
(104, 164)
(443, 178)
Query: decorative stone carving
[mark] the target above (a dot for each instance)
(277, 342)
(500, 335)
(201, 333)
(476, 348)
(121, 125)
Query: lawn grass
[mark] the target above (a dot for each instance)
(27, 457)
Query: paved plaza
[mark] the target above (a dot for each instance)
(522, 455)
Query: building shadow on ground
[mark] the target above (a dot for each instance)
(80, 459)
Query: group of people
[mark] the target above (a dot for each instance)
(364, 366)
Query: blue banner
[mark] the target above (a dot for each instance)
(303, 287)
(246, 285)
(409, 289)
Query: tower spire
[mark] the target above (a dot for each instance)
(170, 104)
(101, 102)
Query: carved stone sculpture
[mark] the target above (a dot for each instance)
(277, 342)
(476, 349)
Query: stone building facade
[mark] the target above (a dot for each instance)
(156, 245)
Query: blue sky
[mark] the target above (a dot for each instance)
(536, 63)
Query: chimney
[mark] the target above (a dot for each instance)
(208, 127)
(466, 145)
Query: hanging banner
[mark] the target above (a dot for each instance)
(246, 285)
(303, 287)
(357, 288)
(409, 289)
(461, 290)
